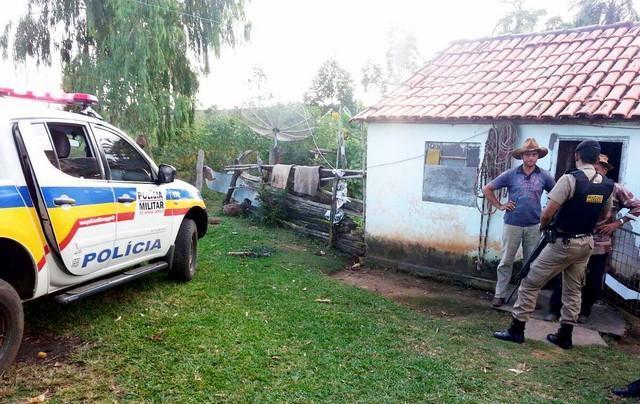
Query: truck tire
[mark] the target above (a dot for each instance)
(186, 252)
(11, 325)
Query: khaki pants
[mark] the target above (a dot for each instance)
(570, 259)
(512, 237)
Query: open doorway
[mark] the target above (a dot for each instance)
(566, 160)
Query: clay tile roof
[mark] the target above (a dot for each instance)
(588, 73)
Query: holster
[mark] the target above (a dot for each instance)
(551, 235)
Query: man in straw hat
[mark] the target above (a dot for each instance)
(576, 203)
(592, 290)
(524, 184)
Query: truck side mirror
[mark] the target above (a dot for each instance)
(166, 174)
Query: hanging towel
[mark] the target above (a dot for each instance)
(306, 180)
(280, 175)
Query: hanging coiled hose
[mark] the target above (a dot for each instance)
(497, 159)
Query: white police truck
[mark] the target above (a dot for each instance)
(82, 208)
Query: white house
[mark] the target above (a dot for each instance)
(426, 140)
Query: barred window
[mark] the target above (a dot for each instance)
(450, 171)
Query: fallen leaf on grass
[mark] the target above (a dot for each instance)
(119, 318)
(42, 355)
(42, 398)
(156, 337)
(327, 301)
(520, 368)
(275, 357)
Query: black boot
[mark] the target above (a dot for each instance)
(632, 390)
(515, 332)
(563, 337)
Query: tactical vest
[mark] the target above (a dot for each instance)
(579, 214)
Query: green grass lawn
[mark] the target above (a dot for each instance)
(252, 330)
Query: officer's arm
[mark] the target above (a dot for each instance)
(548, 213)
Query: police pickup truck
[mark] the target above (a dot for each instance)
(82, 208)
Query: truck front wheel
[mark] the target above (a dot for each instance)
(11, 325)
(186, 252)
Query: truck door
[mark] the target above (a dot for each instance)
(143, 230)
(77, 203)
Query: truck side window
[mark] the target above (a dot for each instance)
(125, 162)
(40, 132)
(67, 149)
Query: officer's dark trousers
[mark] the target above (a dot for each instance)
(592, 290)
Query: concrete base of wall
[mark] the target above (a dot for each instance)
(421, 253)
(432, 273)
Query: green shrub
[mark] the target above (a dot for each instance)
(272, 207)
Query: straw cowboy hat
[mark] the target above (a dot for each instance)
(529, 145)
(604, 161)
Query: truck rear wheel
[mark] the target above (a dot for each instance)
(186, 252)
(11, 325)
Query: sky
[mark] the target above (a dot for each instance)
(292, 38)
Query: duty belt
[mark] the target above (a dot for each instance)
(571, 235)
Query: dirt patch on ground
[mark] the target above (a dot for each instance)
(292, 247)
(45, 370)
(420, 293)
(397, 284)
(631, 341)
(37, 348)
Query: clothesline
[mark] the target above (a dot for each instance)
(270, 167)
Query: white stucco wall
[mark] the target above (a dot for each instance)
(395, 210)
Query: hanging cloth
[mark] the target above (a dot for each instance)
(280, 175)
(306, 180)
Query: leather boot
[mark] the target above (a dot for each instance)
(515, 332)
(563, 337)
(632, 390)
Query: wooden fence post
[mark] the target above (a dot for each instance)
(332, 215)
(199, 169)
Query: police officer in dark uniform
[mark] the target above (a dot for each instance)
(577, 201)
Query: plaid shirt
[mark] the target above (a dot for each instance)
(622, 198)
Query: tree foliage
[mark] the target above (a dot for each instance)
(585, 12)
(519, 19)
(374, 77)
(141, 58)
(223, 135)
(556, 23)
(402, 56)
(331, 87)
(402, 59)
(591, 12)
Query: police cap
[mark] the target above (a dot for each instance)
(592, 144)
